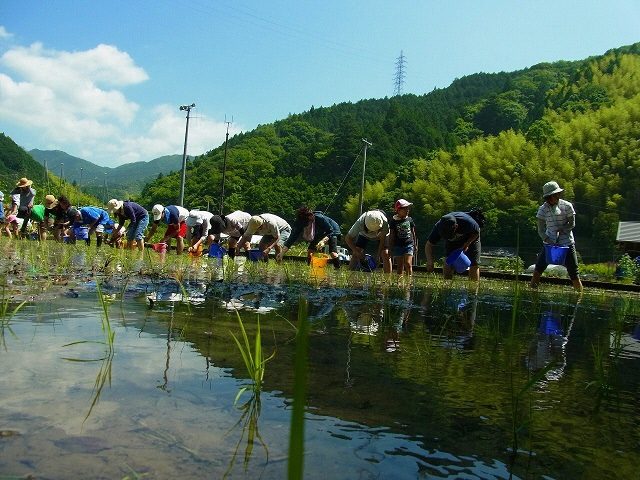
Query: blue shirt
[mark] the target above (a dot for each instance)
(94, 215)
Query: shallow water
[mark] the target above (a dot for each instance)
(422, 383)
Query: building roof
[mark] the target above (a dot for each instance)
(628, 232)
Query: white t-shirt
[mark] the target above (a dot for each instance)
(359, 228)
(236, 223)
(272, 225)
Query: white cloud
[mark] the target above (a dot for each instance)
(73, 101)
(4, 33)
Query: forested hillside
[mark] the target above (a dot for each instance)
(488, 140)
(15, 163)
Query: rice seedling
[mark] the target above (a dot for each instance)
(296, 435)
(253, 358)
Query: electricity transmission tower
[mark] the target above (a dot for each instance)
(400, 74)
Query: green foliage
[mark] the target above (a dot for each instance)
(122, 181)
(487, 140)
(628, 268)
(15, 163)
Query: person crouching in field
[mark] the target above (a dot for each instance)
(56, 214)
(274, 230)
(138, 219)
(460, 231)
(234, 225)
(371, 225)
(313, 227)
(403, 237)
(94, 218)
(198, 225)
(175, 217)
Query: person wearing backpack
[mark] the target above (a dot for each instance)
(460, 231)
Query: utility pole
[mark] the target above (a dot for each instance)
(61, 173)
(224, 165)
(184, 153)
(400, 74)
(364, 166)
(106, 197)
(46, 174)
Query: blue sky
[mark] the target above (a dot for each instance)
(102, 80)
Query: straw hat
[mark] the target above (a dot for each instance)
(551, 188)
(24, 182)
(50, 201)
(157, 211)
(114, 205)
(254, 224)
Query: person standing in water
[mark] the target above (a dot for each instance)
(403, 237)
(556, 220)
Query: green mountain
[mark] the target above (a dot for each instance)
(487, 140)
(16, 163)
(124, 181)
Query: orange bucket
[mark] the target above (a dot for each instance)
(319, 260)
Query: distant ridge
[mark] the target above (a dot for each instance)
(124, 181)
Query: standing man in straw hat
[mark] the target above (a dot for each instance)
(556, 221)
(22, 198)
(175, 217)
(371, 225)
(137, 216)
(460, 231)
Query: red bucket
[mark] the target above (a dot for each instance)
(159, 247)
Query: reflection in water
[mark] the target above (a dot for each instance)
(431, 399)
(249, 424)
(165, 374)
(549, 348)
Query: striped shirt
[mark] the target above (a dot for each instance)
(559, 221)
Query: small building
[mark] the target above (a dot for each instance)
(628, 238)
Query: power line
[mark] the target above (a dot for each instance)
(400, 74)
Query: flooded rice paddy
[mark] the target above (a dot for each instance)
(423, 381)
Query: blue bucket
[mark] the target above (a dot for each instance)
(216, 251)
(556, 254)
(81, 233)
(255, 254)
(368, 264)
(550, 324)
(459, 261)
